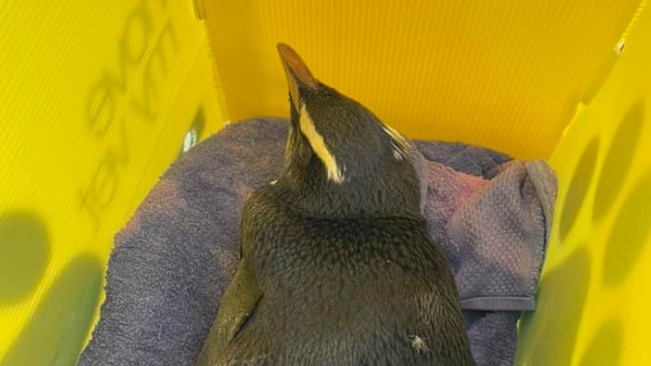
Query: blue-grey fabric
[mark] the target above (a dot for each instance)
(172, 261)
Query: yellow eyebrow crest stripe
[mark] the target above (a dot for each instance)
(319, 147)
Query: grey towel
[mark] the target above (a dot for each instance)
(173, 259)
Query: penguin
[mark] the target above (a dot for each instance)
(336, 264)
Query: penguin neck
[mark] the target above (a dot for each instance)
(393, 194)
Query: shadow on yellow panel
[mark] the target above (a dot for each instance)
(629, 234)
(24, 255)
(606, 346)
(559, 313)
(49, 338)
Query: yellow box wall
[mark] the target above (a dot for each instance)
(95, 101)
(503, 74)
(595, 293)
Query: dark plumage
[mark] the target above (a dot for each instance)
(337, 267)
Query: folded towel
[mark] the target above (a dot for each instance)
(173, 260)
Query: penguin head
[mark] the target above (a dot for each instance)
(340, 157)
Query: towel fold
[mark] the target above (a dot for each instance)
(173, 260)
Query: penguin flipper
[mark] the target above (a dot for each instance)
(238, 304)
